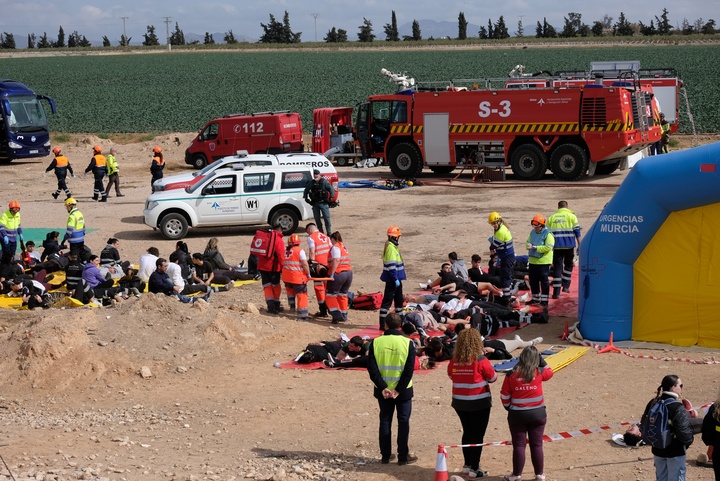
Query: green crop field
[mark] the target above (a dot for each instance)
(180, 91)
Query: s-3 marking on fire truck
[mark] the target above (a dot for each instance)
(572, 126)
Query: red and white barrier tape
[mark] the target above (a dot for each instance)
(547, 438)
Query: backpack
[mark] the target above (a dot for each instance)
(263, 243)
(655, 426)
(369, 302)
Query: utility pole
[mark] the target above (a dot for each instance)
(124, 32)
(167, 31)
(315, 16)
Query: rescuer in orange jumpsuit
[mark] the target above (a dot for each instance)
(98, 166)
(295, 274)
(319, 246)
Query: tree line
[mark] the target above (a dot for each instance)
(280, 32)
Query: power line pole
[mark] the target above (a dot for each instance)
(124, 32)
(167, 31)
(315, 16)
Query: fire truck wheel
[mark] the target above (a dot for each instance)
(606, 168)
(287, 219)
(199, 161)
(405, 161)
(528, 162)
(569, 162)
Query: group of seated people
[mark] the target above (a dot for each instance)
(107, 279)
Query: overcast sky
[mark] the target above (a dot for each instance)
(95, 19)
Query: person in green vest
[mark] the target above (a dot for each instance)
(540, 244)
(391, 363)
(113, 174)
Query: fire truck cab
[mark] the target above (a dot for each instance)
(571, 130)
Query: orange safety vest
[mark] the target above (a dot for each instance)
(61, 161)
(100, 160)
(292, 270)
(344, 258)
(322, 247)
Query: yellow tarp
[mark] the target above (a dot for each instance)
(677, 281)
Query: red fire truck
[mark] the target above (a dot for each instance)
(573, 130)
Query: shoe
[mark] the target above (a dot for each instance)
(229, 286)
(543, 303)
(537, 341)
(410, 459)
(120, 195)
(257, 277)
(512, 477)
(207, 296)
(279, 308)
(320, 314)
(104, 199)
(329, 362)
(242, 264)
(465, 470)
(556, 296)
(55, 195)
(387, 459)
(95, 198)
(524, 298)
(477, 473)
(303, 319)
(532, 302)
(541, 318)
(423, 286)
(565, 289)
(539, 477)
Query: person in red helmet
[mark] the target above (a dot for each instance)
(62, 166)
(98, 166)
(157, 166)
(295, 275)
(540, 244)
(10, 232)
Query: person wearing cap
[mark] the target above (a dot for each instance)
(540, 244)
(113, 172)
(318, 193)
(295, 275)
(98, 166)
(62, 166)
(75, 233)
(10, 232)
(157, 166)
(392, 275)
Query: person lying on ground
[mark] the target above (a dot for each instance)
(449, 283)
(32, 292)
(353, 353)
(633, 435)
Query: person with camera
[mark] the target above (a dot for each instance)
(522, 397)
(318, 193)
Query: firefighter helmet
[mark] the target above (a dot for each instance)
(294, 240)
(56, 150)
(70, 201)
(97, 149)
(14, 205)
(157, 149)
(538, 220)
(394, 231)
(494, 217)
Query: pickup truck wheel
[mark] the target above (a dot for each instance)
(341, 161)
(287, 219)
(199, 161)
(173, 226)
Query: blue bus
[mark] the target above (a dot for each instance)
(24, 131)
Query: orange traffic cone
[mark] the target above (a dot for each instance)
(566, 332)
(609, 347)
(441, 472)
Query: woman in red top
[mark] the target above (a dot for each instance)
(522, 397)
(470, 372)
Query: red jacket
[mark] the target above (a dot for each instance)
(274, 262)
(470, 391)
(525, 401)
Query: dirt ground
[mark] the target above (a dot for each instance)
(74, 406)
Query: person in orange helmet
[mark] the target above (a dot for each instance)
(392, 275)
(157, 166)
(540, 244)
(10, 232)
(62, 166)
(295, 275)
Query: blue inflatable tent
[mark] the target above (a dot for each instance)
(650, 264)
